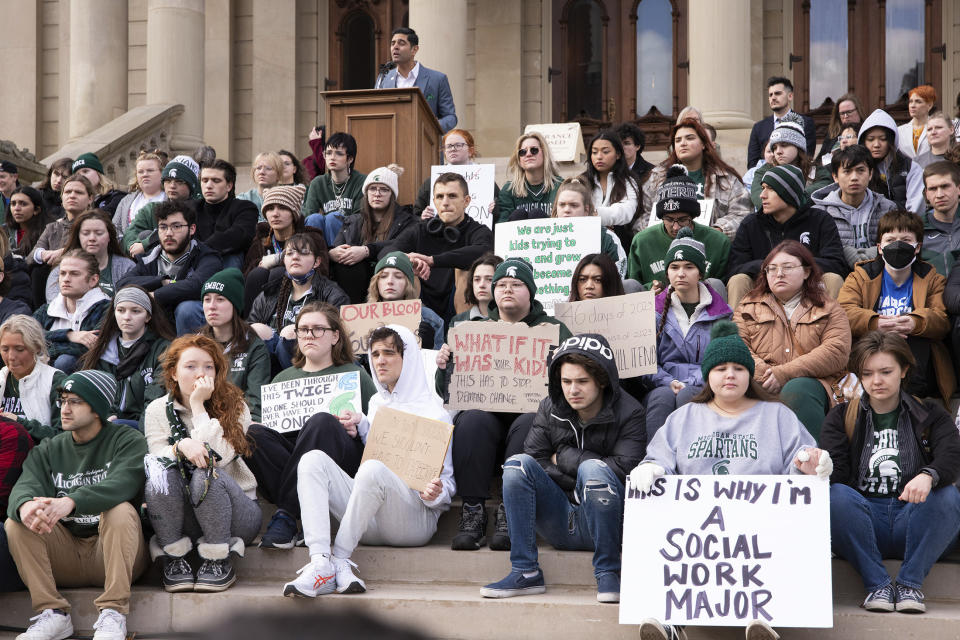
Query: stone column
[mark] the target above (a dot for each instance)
(175, 66)
(720, 84)
(274, 77)
(98, 64)
(21, 42)
(499, 30)
(218, 85)
(442, 28)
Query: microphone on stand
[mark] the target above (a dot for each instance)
(384, 70)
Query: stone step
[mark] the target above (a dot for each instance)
(458, 611)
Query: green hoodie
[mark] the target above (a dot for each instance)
(98, 475)
(649, 247)
(321, 197)
(136, 391)
(250, 370)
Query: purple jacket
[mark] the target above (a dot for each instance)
(679, 357)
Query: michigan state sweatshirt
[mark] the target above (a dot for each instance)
(98, 475)
(763, 440)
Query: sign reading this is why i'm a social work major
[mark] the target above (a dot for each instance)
(287, 405)
(726, 550)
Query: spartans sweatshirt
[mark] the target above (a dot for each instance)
(98, 475)
(763, 440)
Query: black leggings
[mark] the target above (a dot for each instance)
(481, 442)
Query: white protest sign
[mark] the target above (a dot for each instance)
(480, 180)
(286, 406)
(725, 550)
(553, 246)
(627, 322)
(565, 140)
(411, 446)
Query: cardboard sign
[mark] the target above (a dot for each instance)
(564, 139)
(411, 446)
(500, 366)
(481, 179)
(627, 322)
(361, 319)
(553, 246)
(286, 406)
(725, 550)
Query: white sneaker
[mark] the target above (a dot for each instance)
(49, 625)
(315, 579)
(347, 582)
(111, 625)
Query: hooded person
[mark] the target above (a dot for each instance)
(375, 507)
(895, 176)
(568, 484)
(482, 437)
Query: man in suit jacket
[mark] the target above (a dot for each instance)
(434, 85)
(780, 97)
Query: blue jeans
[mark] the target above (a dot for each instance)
(281, 349)
(330, 224)
(534, 503)
(866, 530)
(65, 362)
(662, 401)
(189, 317)
(234, 260)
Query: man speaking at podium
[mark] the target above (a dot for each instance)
(404, 71)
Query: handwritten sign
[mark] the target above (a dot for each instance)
(411, 446)
(725, 550)
(500, 366)
(286, 406)
(361, 319)
(564, 139)
(480, 179)
(553, 246)
(627, 322)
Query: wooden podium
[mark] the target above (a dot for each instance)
(390, 125)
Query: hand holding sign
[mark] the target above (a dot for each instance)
(411, 446)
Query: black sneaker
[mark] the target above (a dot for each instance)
(909, 600)
(500, 540)
(471, 534)
(651, 629)
(281, 532)
(215, 575)
(883, 599)
(177, 574)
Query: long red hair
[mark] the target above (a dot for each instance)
(227, 402)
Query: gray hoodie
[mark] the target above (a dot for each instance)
(857, 226)
(912, 177)
(696, 440)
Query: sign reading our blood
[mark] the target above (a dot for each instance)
(500, 366)
(360, 319)
(725, 550)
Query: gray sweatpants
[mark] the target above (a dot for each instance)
(376, 507)
(226, 511)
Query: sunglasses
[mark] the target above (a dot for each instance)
(531, 150)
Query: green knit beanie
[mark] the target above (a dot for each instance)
(396, 260)
(97, 388)
(516, 268)
(788, 182)
(87, 161)
(726, 345)
(186, 169)
(229, 284)
(685, 248)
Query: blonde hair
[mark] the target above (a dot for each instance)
(143, 157)
(577, 186)
(411, 290)
(32, 334)
(518, 182)
(268, 157)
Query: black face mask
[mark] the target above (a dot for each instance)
(899, 254)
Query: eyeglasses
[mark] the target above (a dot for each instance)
(531, 150)
(379, 189)
(678, 222)
(72, 402)
(291, 252)
(785, 269)
(847, 113)
(312, 332)
(455, 146)
(508, 286)
(849, 136)
(176, 228)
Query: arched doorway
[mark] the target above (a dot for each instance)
(358, 66)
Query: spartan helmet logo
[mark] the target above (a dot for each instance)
(173, 173)
(511, 272)
(68, 386)
(678, 255)
(805, 238)
(392, 261)
(671, 205)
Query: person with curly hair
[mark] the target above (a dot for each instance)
(199, 490)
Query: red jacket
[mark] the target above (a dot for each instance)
(15, 444)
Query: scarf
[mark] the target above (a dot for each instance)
(130, 361)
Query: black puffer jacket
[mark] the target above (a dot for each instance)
(937, 444)
(617, 434)
(264, 307)
(352, 231)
